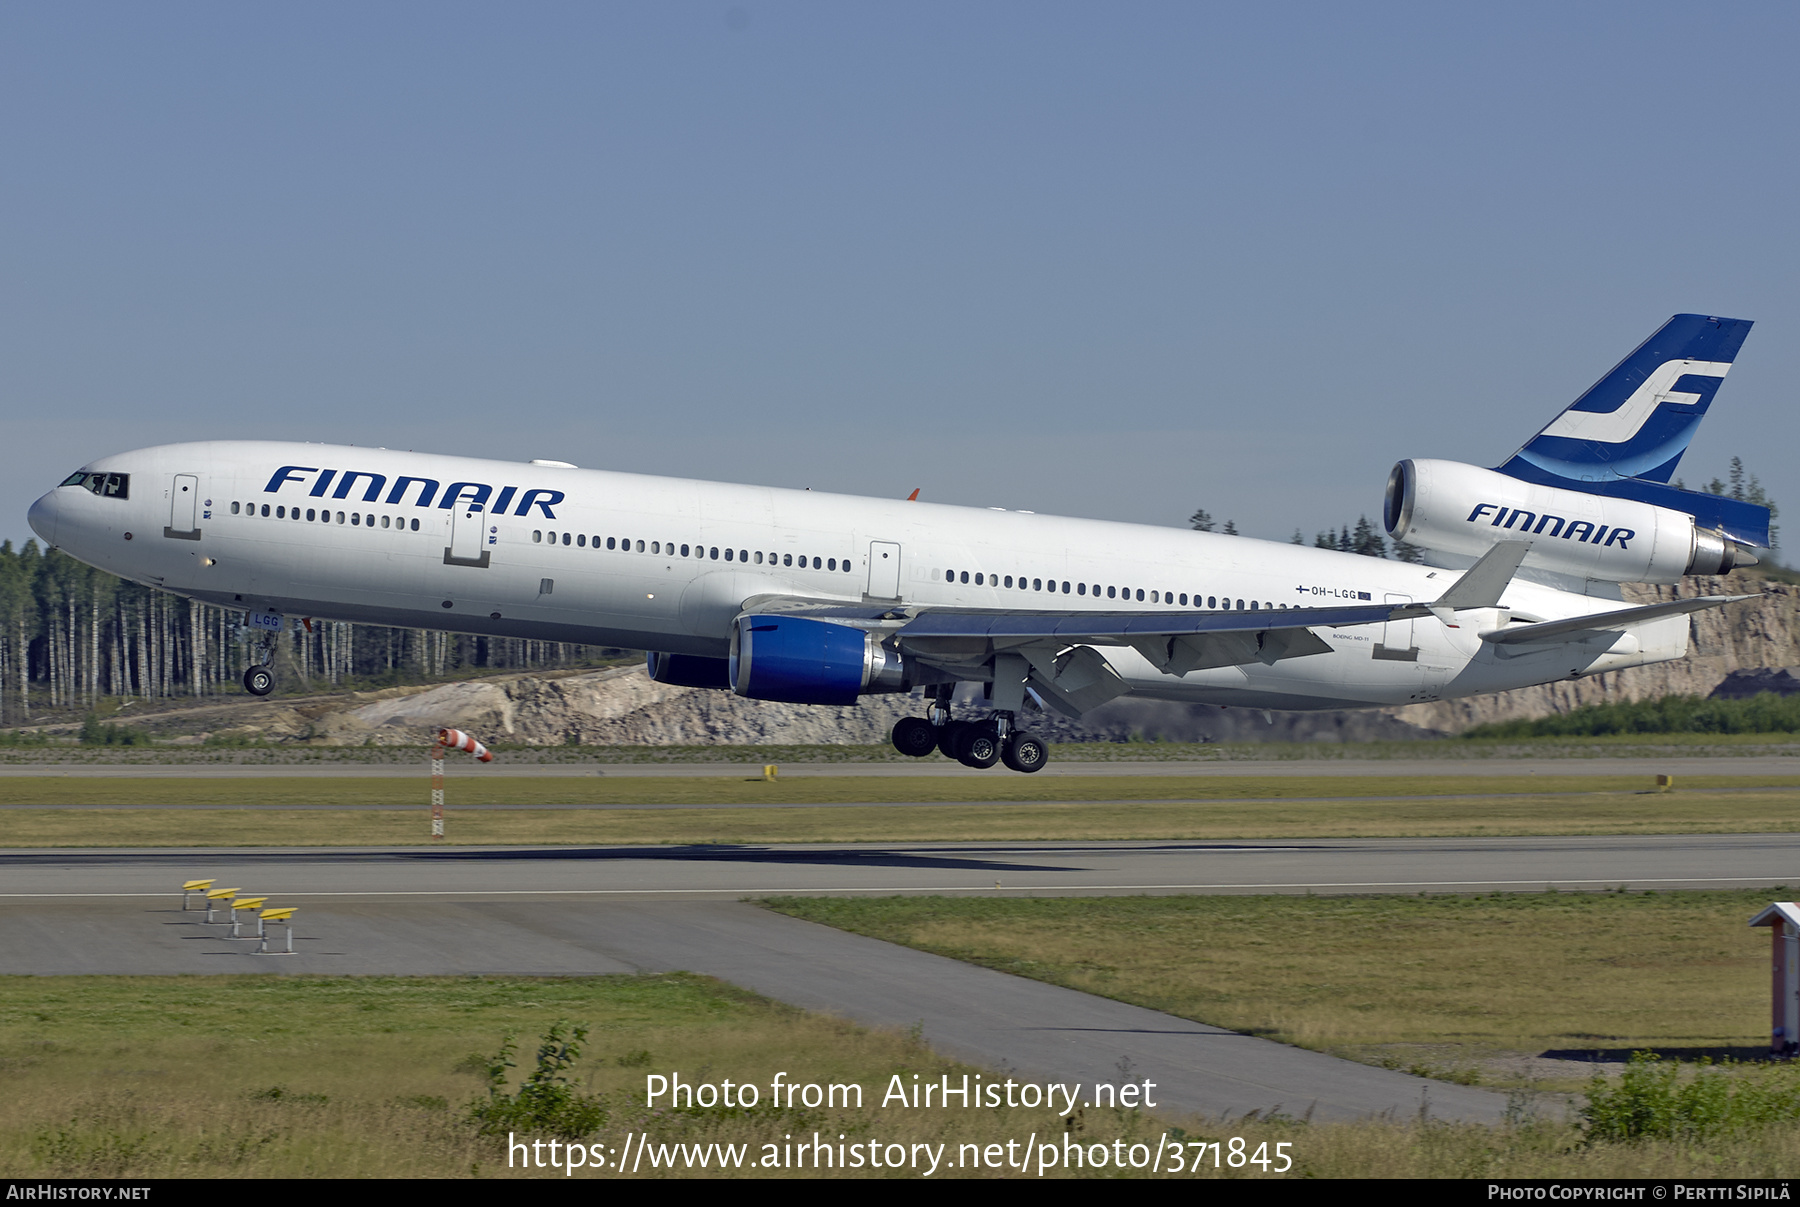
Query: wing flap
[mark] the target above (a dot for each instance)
(1074, 682)
(1125, 628)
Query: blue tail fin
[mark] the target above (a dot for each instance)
(1637, 420)
(1626, 435)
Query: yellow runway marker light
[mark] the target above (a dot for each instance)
(218, 895)
(771, 772)
(285, 916)
(241, 904)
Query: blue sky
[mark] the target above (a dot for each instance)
(1119, 261)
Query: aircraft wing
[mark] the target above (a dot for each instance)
(1054, 650)
(1124, 628)
(1577, 627)
(1068, 674)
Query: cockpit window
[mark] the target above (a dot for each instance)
(111, 486)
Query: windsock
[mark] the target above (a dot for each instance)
(456, 739)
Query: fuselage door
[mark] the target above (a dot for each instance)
(184, 504)
(468, 528)
(884, 570)
(1396, 643)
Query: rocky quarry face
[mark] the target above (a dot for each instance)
(1738, 647)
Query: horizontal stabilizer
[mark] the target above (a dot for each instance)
(1482, 584)
(1604, 622)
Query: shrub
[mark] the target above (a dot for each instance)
(1762, 713)
(1652, 1102)
(94, 733)
(546, 1101)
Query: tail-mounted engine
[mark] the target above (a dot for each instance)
(1459, 509)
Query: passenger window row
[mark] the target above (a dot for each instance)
(582, 540)
(355, 519)
(1137, 595)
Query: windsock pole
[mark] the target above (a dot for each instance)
(455, 739)
(437, 789)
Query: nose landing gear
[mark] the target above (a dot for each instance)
(259, 679)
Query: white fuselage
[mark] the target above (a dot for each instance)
(603, 558)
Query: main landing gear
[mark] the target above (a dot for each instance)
(972, 743)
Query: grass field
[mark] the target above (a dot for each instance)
(26, 749)
(270, 1076)
(703, 809)
(266, 1076)
(714, 790)
(1477, 989)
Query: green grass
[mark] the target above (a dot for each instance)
(372, 1077)
(273, 1076)
(1475, 988)
(715, 790)
(29, 748)
(701, 809)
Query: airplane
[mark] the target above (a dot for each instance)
(815, 598)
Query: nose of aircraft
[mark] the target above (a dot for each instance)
(43, 516)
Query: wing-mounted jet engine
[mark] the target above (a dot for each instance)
(1590, 493)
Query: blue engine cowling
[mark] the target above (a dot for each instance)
(688, 670)
(800, 661)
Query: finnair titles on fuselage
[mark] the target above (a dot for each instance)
(813, 598)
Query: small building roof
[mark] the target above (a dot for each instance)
(1780, 911)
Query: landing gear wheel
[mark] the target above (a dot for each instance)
(1025, 752)
(978, 747)
(915, 736)
(259, 680)
(949, 735)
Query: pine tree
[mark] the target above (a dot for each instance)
(1201, 521)
(1744, 487)
(1366, 540)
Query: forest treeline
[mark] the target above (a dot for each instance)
(71, 635)
(1764, 713)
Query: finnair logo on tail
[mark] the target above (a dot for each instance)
(1617, 427)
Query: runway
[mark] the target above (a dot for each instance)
(1375, 865)
(583, 911)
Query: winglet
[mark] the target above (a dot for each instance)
(914, 496)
